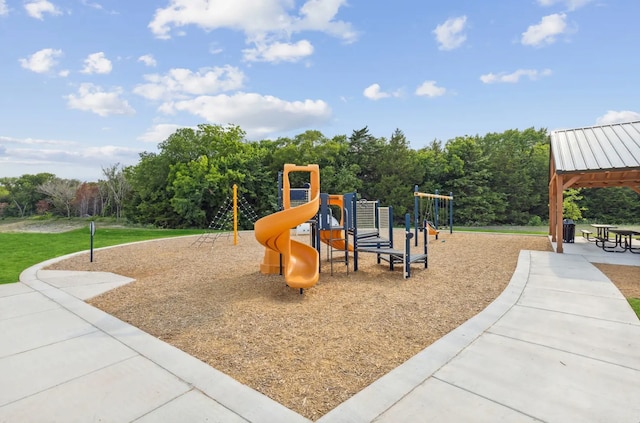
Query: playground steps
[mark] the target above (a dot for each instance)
(371, 239)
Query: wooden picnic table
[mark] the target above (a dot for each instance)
(623, 240)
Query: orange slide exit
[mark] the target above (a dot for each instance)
(300, 261)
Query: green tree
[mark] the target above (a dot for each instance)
(610, 205)
(467, 175)
(364, 150)
(192, 175)
(23, 194)
(570, 207)
(398, 170)
(432, 162)
(519, 171)
(150, 199)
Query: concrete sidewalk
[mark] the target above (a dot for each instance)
(560, 344)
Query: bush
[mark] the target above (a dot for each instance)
(535, 221)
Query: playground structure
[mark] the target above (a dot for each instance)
(436, 207)
(226, 215)
(359, 220)
(297, 261)
(370, 219)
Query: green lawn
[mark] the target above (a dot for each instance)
(19, 251)
(635, 305)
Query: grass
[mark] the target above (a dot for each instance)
(19, 251)
(635, 305)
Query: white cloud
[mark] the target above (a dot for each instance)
(97, 6)
(546, 31)
(4, 10)
(214, 48)
(569, 4)
(373, 92)
(34, 141)
(97, 63)
(430, 89)
(513, 77)
(318, 15)
(613, 116)
(37, 9)
(267, 24)
(92, 98)
(148, 60)
(450, 33)
(259, 115)
(77, 153)
(251, 17)
(66, 159)
(41, 61)
(178, 83)
(279, 52)
(159, 133)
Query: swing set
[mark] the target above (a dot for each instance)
(430, 211)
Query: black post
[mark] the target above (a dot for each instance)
(92, 230)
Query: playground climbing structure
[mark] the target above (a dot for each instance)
(225, 221)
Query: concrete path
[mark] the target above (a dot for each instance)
(560, 344)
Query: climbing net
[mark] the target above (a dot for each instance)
(222, 223)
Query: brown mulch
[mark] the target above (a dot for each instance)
(309, 352)
(626, 278)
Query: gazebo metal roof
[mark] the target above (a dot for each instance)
(591, 157)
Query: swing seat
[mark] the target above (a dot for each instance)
(432, 230)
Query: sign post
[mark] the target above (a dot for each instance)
(92, 230)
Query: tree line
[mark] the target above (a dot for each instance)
(46, 194)
(496, 179)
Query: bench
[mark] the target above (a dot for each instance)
(586, 234)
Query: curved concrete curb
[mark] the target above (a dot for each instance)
(203, 391)
(381, 395)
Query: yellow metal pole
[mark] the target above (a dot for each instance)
(235, 214)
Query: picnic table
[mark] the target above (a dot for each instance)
(602, 231)
(623, 239)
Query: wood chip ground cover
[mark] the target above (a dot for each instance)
(309, 352)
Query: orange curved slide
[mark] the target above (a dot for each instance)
(300, 261)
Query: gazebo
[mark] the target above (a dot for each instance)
(591, 157)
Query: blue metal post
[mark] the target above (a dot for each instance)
(416, 212)
(407, 246)
(354, 204)
(451, 213)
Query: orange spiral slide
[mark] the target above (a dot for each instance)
(300, 261)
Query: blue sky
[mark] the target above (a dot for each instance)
(86, 84)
